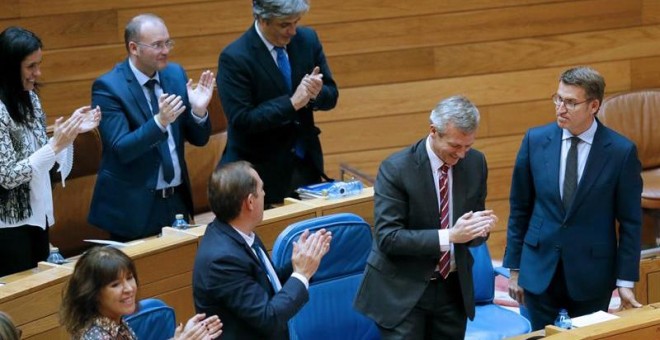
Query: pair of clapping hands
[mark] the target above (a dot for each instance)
(308, 89)
(81, 120)
(170, 106)
(472, 225)
(309, 250)
(199, 328)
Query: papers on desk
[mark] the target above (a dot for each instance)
(593, 318)
(114, 243)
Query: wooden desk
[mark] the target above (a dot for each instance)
(639, 323)
(32, 298)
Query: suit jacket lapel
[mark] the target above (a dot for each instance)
(598, 157)
(265, 59)
(458, 190)
(136, 90)
(426, 183)
(551, 157)
(229, 230)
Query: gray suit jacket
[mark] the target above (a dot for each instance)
(406, 244)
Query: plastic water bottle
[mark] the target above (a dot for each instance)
(563, 320)
(55, 256)
(179, 222)
(343, 189)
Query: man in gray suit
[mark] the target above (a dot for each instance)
(418, 280)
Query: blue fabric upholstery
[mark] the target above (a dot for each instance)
(491, 321)
(153, 320)
(329, 314)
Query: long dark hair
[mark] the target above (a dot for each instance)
(16, 44)
(95, 269)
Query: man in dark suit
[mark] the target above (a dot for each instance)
(572, 181)
(270, 82)
(233, 276)
(418, 280)
(149, 110)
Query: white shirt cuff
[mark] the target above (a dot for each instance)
(625, 284)
(43, 159)
(200, 120)
(162, 128)
(302, 279)
(444, 239)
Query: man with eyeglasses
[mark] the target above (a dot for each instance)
(573, 181)
(150, 109)
(270, 81)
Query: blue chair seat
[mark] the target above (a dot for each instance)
(495, 322)
(153, 320)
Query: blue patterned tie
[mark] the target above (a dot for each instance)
(163, 148)
(284, 66)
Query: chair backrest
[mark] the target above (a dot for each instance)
(153, 320)
(636, 115)
(483, 275)
(329, 314)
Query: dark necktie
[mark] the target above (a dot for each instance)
(571, 175)
(284, 66)
(285, 69)
(444, 263)
(262, 262)
(163, 148)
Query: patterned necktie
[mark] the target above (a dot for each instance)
(444, 262)
(284, 66)
(163, 148)
(274, 281)
(570, 175)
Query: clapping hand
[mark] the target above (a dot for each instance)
(200, 96)
(309, 250)
(90, 118)
(170, 106)
(199, 328)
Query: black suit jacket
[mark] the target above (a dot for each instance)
(262, 123)
(124, 191)
(229, 282)
(406, 247)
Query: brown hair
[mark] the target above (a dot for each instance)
(95, 269)
(229, 186)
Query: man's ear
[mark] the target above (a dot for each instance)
(249, 201)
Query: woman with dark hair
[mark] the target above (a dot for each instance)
(102, 289)
(27, 154)
(7, 329)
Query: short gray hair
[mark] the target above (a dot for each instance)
(133, 28)
(269, 9)
(457, 110)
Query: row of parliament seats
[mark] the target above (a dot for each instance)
(72, 202)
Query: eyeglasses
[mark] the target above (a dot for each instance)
(159, 45)
(569, 104)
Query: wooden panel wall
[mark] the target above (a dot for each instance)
(393, 60)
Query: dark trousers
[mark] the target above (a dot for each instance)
(544, 308)
(439, 314)
(22, 248)
(162, 214)
(304, 173)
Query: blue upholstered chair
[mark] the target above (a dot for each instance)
(329, 314)
(491, 321)
(153, 320)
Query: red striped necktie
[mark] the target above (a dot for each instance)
(444, 263)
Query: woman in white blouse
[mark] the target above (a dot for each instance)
(27, 154)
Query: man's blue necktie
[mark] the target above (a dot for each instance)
(284, 66)
(163, 148)
(275, 283)
(285, 69)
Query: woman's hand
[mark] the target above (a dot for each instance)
(65, 132)
(199, 328)
(91, 118)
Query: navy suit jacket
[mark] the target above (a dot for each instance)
(584, 238)
(228, 281)
(262, 123)
(124, 191)
(406, 246)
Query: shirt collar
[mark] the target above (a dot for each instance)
(436, 162)
(586, 136)
(141, 77)
(261, 35)
(109, 326)
(249, 239)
